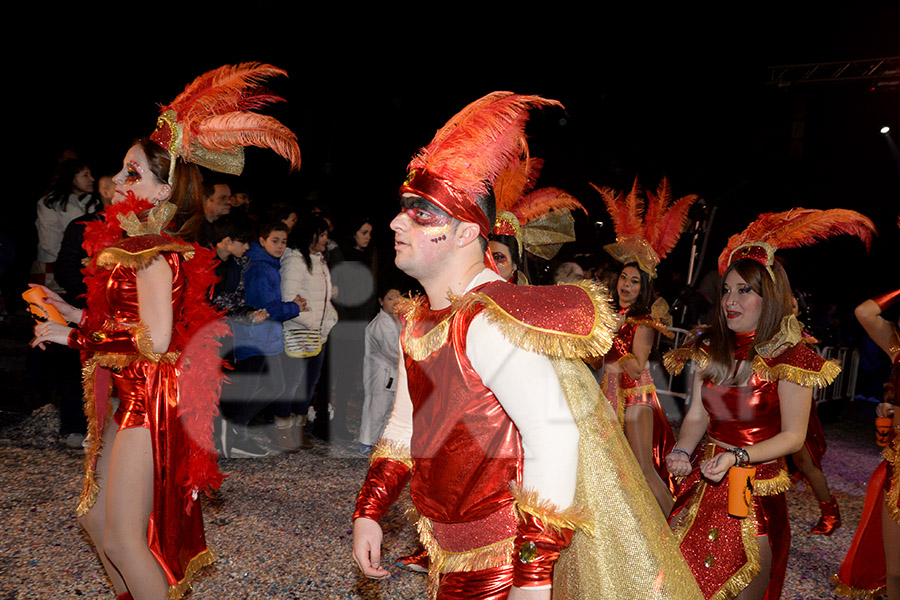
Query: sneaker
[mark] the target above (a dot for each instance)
(235, 445)
(75, 441)
(365, 449)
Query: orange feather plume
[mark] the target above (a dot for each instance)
(480, 141)
(657, 219)
(214, 114)
(515, 181)
(543, 200)
(800, 227)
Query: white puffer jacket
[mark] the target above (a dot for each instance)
(314, 287)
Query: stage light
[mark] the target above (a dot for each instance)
(885, 130)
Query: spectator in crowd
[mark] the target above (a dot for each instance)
(70, 195)
(258, 347)
(380, 369)
(304, 273)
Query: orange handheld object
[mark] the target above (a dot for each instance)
(883, 426)
(740, 490)
(40, 310)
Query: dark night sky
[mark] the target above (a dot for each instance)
(646, 93)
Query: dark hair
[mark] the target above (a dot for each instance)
(281, 211)
(61, 186)
(268, 228)
(488, 205)
(353, 224)
(512, 244)
(305, 233)
(776, 304)
(645, 297)
(187, 186)
(235, 227)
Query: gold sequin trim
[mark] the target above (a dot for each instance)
(530, 502)
(112, 256)
(158, 218)
(89, 487)
(750, 569)
(852, 592)
(821, 378)
(204, 559)
(892, 455)
(442, 561)
(391, 450)
(789, 335)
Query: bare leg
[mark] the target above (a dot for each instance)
(639, 431)
(757, 588)
(890, 533)
(812, 473)
(95, 519)
(129, 501)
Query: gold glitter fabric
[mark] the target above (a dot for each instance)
(632, 553)
(562, 321)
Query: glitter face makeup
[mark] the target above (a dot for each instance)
(502, 258)
(421, 232)
(136, 177)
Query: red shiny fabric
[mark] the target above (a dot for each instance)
(726, 546)
(864, 568)
(384, 482)
(490, 584)
(150, 398)
(742, 415)
(548, 542)
(467, 450)
(441, 192)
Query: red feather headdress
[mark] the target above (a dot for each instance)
(538, 219)
(467, 154)
(646, 230)
(211, 121)
(792, 229)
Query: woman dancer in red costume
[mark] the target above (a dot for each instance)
(149, 332)
(872, 565)
(751, 397)
(646, 232)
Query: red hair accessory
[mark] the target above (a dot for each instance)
(466, 155)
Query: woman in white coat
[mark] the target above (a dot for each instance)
(304, 272)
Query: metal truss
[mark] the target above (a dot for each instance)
(878, 71)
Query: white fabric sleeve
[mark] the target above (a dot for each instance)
(400, 425)
(527, 387)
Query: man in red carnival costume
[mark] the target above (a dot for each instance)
(484, 426)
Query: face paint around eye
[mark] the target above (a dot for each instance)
(499, 258)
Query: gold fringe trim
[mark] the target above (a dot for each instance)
(529, 502)
(892, 455)
(89, 487)
(392, 450)
(204, 559)
(117, 362)
(441, 561)
(771, 487)
(750, 569)
(554, 343)
(851, 592)
(674, 360)
(652, 323)
(421, 348)
(821, 378)
(156, 220)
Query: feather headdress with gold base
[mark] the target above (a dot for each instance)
(792, 229)
(212, 120)
(646, 230)
(539, 219)
(466, 155)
